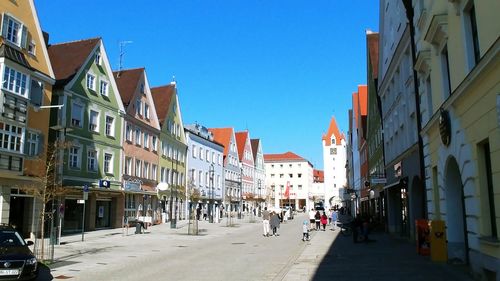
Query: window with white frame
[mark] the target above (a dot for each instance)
(91, 81)
(91, 160)
(200, 176)
(163, 175)
(128, 166)
(164, 148)
(201, 153)
(154, 170)
(471, 36)
(138, 107)
(146, 110)
(138, 168)
(11, 137)
(137, 136)
(76, 115)
(194, 151)
(104, 88)
(97, 58)
(15, 81)
(154, 142)
(128, 132)
(94, 121)
(14, 31)
(146, 140)
(110, 126)
(74, 157)
(32, 143)
(194, 176)
(169, 151)
(207, 155)
(108, 163)
(146, 170)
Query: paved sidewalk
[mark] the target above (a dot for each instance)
(332, 256)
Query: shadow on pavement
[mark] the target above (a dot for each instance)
(44, 273)
(385, 258)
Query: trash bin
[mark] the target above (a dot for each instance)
(138, 226)
(438, 241)
(423, 239)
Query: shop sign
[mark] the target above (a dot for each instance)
(131, 186)
(445, 127)
(378, 180)
(104, 183)
(398, 170)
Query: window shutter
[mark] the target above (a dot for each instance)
(24, 38)
(4, 26)
(41, 145)
(36, 92)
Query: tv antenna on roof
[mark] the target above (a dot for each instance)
(122, 53)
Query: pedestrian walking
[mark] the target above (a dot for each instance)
(311, 219)
(329, 215)
(305, 231)
(317, 220)
(335, 217)
(265, 221)
(324, 221)
(275, 223)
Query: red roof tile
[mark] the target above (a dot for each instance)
(255, 147)
(372, 40)
(363, 99)
(127, 81)
(162, 97)
(333, 129)
(68, 58)
(282, 157)
(318, 176)
(241, 140)
(222, 136)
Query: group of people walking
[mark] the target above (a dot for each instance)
(319, 219)
(271, 223)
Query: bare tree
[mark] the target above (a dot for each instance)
(193, 195)
(47, 184)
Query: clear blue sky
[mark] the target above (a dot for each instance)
(280, 69)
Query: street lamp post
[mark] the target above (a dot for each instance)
(240, 178)
(211, 194)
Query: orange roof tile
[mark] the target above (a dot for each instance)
(67, 58)
(282, 157)
(241, 140)
(162, 97)
(363, 99)
(318, 176)
(127, 81)
(333, 129)
(222, 136)
(355, 109)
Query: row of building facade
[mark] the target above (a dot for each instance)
(73, 127)
(424, 133)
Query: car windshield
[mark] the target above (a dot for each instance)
(10, 238)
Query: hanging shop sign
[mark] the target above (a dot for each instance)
(131, 186)
(104, 183)
(444, 127)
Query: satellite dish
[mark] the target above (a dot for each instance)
(163, 186)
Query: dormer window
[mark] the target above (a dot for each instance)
(14, 31)
(90, 82)
(97, 58)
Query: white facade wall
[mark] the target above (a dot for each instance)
(298, 173)
(334, 161)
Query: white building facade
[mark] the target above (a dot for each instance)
(334, 163)
(292, 171)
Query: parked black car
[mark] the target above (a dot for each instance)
(17, 262)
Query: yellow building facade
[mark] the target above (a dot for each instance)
(26, 88)
(458, 64)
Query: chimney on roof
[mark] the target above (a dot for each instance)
(46, 38)
(174, 83)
